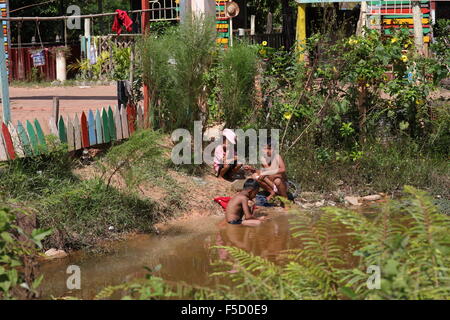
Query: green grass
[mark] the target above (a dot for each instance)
(381, 168)
(82, 212)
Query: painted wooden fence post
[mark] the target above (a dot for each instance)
(77, 132)
(33, 138)
(106, 131)
(3, 153)
(53, 125)
(124, 119)
(16, 141)
(40, 136)
(91, 129)
(24, 139)
(84, 131)
(118, 123)
(62, 132)
(98, 127)
(112, 125)
(70, 134)
(8, 142)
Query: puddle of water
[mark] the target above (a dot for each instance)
(184, 252)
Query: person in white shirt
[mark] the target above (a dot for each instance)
(225, 158)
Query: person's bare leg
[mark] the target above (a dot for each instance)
(251, 223)
(224, 171)
(281, 186)
(237, 168)
(271, 187)
(268, 188)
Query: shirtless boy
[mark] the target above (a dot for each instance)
(238, 207)
(272, 176)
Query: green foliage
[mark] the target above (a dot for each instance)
(14, 255)
(409, 241)
(121, 60)
(35, 177)
(174, 67)
(236, 78)
(441, 66)
(83, 213)
(134, 158)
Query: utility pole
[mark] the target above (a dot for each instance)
(4, 85)
(144, 25)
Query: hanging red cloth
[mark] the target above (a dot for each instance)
(122, 19)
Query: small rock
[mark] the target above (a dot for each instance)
(354, 201)
(199, 181)
(331, 203)
(310, 196)
(320, 203)
(55, 254)
(111, 228)
(307, 205)
(372, 197)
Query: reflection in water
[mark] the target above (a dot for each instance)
(185, 255)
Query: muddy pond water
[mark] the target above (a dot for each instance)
(183, 251)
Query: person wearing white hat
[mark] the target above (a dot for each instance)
(225, 159)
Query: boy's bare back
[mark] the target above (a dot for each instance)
(235, 207)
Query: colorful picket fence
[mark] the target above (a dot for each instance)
(78, 132)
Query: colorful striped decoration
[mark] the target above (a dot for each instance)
(387, 15)
(78, 131)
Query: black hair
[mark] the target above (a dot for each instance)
(270, 143)
(251, 184)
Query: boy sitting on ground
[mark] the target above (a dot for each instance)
(272, 176)
(239, 208)
(224, 167)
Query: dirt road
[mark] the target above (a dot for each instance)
(36, 103)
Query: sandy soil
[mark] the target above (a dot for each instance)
(37, 103)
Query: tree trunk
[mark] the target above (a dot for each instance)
(288, 24)
(418, 28)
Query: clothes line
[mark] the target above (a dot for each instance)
(97, 15)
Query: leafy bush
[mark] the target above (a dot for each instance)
(174, 66)
(236, 81)
(132, 159)
(83, 213)
(18, 249)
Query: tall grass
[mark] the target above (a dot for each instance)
(236, 81)
(174, 66)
